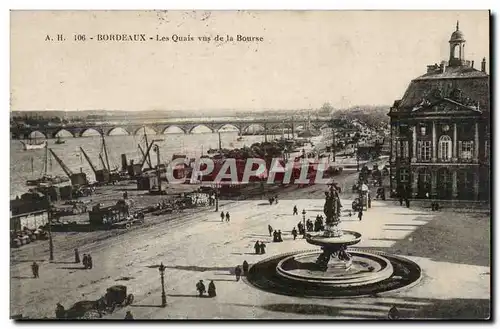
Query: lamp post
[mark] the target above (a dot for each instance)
(304, 222)
(163, 295)
(216, 197)
(51, 243)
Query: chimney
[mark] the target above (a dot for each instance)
(483, 65)
(124, 162)
(472, 64)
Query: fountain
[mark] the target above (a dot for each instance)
(335, 270)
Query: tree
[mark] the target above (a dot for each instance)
(326, 109)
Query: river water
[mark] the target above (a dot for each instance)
(26, 165)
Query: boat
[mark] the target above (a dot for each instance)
(60, 141)
(29, 145)
(46, 180)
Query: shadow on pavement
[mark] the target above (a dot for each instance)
(409, 308)
(460, 238)
(191, 296)
(230, 270)
(145, 305)
(72, 268)
(22, 277)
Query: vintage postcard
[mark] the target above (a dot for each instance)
(250, 165)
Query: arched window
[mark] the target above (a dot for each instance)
(444, 149)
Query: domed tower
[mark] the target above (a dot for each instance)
(457, 48)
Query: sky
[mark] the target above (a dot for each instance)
(306, 58)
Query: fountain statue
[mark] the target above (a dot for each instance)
(331, 270)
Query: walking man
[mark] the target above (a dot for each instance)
(295, 211)
(89, 261)
(222, 216)
(228, 218)
(237, 272)
(77, 256)
(257, 247)
(245, 268)
(34, 269)
(262, 248)
(360, 214)
(270, 229)
(201, 288)
(294, 233)
(211, 289)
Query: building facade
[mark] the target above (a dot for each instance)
(440, 131)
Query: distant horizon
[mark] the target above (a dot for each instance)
(185, 110)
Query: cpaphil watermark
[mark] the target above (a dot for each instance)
(251, 170)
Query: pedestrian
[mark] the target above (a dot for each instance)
(245, 268)
(280, 239)
(276, 199)
(89, 261)
(271, 200)
(201, 288)
(301, 228)
(237, 272)
(295, 211)
(211, 289)
(369, 200)
(294, 233)
(228, 218)
(85, 261)
(77, 256)
(360, 214)
(34, 269)
(262, 248)
(407, 201)
(256, 247)
(270, 229)
(129, 316)
(275, 236)
(222, 216)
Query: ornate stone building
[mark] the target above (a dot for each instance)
(440, 131)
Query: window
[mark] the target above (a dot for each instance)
(405, 151)
(404, 175)
(487, 149)
(466, 149)
(424, 150)
(444, 150)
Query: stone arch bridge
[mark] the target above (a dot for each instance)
(77, 130)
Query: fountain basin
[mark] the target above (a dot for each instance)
(364, 269)
(348, 238)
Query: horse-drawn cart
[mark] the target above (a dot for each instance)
(115, 296)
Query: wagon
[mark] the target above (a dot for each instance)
(117, 296)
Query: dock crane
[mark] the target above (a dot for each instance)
(101, 175)
(76, 179)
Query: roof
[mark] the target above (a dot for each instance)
(471, 84)
(457, 36)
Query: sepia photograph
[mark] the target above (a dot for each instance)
(250, 165)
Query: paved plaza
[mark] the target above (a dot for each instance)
(452, 249)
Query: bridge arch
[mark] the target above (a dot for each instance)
(117, 131)
(173, 129)
(62, 133)
(224, 127)
(89, 132)
(140, 130)
(253, 128)
(195, 129)
(37, 134)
